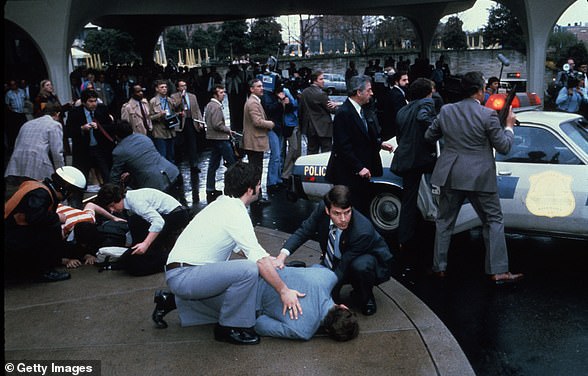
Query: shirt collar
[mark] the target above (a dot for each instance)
(216, 100)
(356, 106)
(399, 88)
(331, 224)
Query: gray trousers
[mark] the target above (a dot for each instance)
(223, 292)
(487, 206)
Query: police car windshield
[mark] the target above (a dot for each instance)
(577, 130)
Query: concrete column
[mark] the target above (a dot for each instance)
(425, 24)
(537, 18)
(47, 24)
(541, 17)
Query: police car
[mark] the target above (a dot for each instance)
(543, 181)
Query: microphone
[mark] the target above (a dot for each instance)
(503, 60)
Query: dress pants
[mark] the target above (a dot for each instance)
(255, 157)
(487, 206)
(165, 147)
(155, 258)
(316, 143)
(361, 274)
(186, 143)
(220, 149)
(294, 149)
(223, 292)
(361, 193)
(408, 215)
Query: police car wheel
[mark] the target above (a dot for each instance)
(385, 210)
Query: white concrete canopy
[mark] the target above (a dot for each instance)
(52, 24)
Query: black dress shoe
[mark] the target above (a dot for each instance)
(165, 302)
(370, 307)
(54, 276)
(236, 336)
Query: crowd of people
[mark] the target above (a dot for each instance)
(130, 130)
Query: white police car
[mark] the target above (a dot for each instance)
(543, 181)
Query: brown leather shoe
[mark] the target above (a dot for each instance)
(441, 274)
(506, 278)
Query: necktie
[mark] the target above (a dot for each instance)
(93, 141)
(363, 120)
(144, 116)
(330, 255)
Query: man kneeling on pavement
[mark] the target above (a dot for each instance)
(351, 247)
(208, 288)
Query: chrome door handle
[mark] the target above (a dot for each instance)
(504, 173)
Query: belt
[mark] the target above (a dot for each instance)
(174, 265)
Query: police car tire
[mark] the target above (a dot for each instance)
(385, 209)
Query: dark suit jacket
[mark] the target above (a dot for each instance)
(389, 103)
(413, 151)
(81, 140)
(353, 147)
(359, 238)
(314, 112)
(137, 155)
(471, 132)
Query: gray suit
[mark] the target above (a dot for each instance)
(466, 169)
(137, 155)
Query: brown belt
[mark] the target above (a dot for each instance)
(174, 265)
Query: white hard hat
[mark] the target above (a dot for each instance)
(72, 176)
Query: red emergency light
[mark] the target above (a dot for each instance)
(496, 101)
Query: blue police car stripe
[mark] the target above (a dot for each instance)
(507, 186)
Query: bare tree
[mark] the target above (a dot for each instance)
(306, 27)
(358, 30)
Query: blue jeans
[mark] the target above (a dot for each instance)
(275, 160)
(165, 147)
(220, 148)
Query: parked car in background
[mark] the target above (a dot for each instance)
(542, 181)
(335, 84)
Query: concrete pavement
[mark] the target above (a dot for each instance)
(107, 316)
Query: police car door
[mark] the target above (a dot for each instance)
(543, 183)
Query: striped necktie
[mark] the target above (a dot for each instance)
(331, 244)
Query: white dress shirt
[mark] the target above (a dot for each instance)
(220, 228)
(150, 204)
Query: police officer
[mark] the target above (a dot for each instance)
(33, 242)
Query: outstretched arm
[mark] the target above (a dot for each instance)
(103, 212)
(289, 297)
